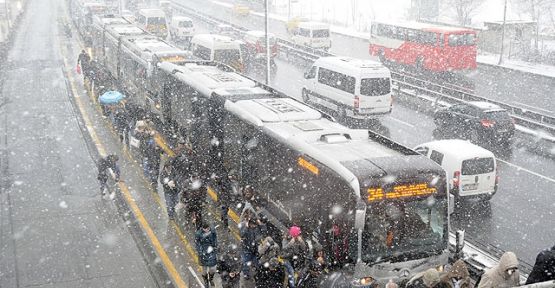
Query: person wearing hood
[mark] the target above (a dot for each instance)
(504, 274)
(457, 277)
(206, 244)
(426, 279)
(544, 268)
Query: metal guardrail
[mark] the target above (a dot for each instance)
(524, 117)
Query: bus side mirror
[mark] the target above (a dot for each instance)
(360, 215)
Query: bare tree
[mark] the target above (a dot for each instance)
(536, 9)
(464, 9)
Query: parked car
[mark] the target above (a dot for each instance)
(471, 170)
(479, 122)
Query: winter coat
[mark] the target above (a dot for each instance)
(83, 60)
(249, 239)
(316, 270)
(544, 268)
(270, 275)
(206, 244)
(121, 119)
(103, 165)
(267, 249)
(152, 152)
(295, 252)
(458, 270)
(230, 263)
(497, 276)
(169, 179)
(428, 278)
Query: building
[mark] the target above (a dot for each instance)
(519, 35)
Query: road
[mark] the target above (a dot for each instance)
(55, 230)
(514, 88)
(519, 218)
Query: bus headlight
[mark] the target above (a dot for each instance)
(362, 282)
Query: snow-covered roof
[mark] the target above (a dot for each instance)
(461, 149)
(124, 30)
(425, 26)
(486, 106)
(350, 65)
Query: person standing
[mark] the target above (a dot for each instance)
(504, 274)
(84, 60)
(270, 274)
(105, 163)
(152, 158)
(121, 122)
(206, 244)
(294, 253)
(168, 178)
(249, 247)
(544, 268)
(230, 267)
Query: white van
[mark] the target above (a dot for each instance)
(153, 21)
(351, 88)
(218, 48)
(182, 28)
(312, 34)
(471, 170)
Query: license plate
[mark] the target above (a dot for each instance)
(473, 186)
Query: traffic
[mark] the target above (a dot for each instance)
(388, 205)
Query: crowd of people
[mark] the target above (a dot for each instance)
(262, 258)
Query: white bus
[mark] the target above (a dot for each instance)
(153, 21)
(350, 88)
(218, 48)
(312, 34)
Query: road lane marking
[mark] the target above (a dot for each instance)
(196, 276)
(168, 264)
(533, 107)
(527, 170)
(401, 121)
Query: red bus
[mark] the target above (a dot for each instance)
(426, 46)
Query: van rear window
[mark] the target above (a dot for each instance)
(477, 166)
(375, 86)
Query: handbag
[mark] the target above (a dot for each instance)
(134, 142)
(78, 69)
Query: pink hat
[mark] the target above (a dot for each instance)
(294, 231)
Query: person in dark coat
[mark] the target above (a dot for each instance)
(294, 254)
(108, 162)
(457, 276)
(84, 60)
(544, 268)
(249, 247)
(317, 267)
(121, 123)
(270, 274)
(206, 244)
(194, 195)
(267, 249)
(229, 190)
(230, 267)
(168, 178)
(152, 156)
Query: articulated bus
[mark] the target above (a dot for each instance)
(130, 55)
(425, 46)
(389, 202)
(82, 12)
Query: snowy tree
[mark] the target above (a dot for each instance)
(464, 9)
(537, 10)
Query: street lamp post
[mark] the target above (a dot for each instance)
(503, 34)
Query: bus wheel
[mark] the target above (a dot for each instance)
(305, 96)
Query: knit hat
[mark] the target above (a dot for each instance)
(294, 231)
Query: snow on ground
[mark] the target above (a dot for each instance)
(534, 68)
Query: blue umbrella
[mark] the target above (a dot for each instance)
(111, 97)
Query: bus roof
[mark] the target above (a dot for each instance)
(147, 46)
(426, 27)
(152, 12)
(212, 40)
(110, 19)
(351, 66)
(208, 78)
(125, 30)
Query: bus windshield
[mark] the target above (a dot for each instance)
(462, 40)
(227, 56)
(404, 228)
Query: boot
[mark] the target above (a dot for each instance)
(211, 280)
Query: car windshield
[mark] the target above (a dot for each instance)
(404, 228)
(477, 166)
(462, 39)
(375, 86)
(321, 33)
(227, 56)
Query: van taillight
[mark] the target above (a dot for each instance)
(486, 123)
(356, 102)
(456, 178)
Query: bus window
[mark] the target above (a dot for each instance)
(321, 33)
(227, 56)
(375, 86)
(202, 52)
(462, 40)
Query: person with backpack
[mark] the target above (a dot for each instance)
(105, 163)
